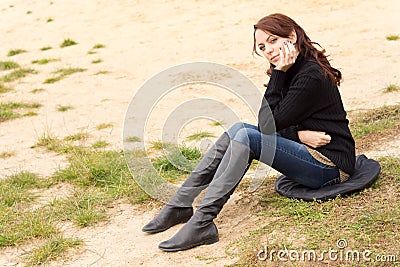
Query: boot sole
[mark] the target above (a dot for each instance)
(209, 241)
(159, 230)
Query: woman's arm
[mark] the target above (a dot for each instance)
(301, 101)
(314, 139)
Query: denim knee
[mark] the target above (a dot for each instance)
(232, 131)
(242, 136)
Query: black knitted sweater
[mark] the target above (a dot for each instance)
(303, 98)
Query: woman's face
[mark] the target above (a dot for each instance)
(268, 44)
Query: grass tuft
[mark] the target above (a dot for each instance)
(199, 136)
(102, 126)
(98, 46)
(375, 120)
(393, 37)
(53, 249)
(14, 189)
(102, 72)
(7, 154)
(177, 162)
(85, 207)
(8, 110)
(18, 74)
(97, 61)
(100, 144)
(391, 88)
(8, 65)
(30, 114)
(15, 52)
(105, 170)
(54, 144)
(49, 20)
(77, 137)
(45, 48)
(68, 42)
(37, 90)
(217, 123)
(61, 108)
(44, 61)
(133, 139)
(62, 73)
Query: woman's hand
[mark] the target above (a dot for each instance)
(287, 56)
(314, 139)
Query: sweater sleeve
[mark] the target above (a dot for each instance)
(291, 133)
(278, 112)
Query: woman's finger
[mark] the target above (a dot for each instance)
(287, 52)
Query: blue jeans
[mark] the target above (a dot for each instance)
(290, 158)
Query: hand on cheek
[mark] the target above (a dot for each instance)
(287, 56)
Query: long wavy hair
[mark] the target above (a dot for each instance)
(283, 26)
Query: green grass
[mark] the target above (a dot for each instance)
(393, 37)
(30, 114)
(62, 73)
(4, 89)
(77, 137)
(391, 88)
(8, 65)
(102, 126)
(105, 170)
(46, 48)
(375, 120)
(85, 207)
(37, 90)
(54, 144)
(49, 20)
(53, 249)
(61, 108)
(18, 74)
(14, 189)
(15, 52)
(68, 42)
(100, 144)
(44, 61)
(98, 46)
(217, 123)
(177, 163)
(159, 145)
(367, 220)
(96, 61)
(133, 139)
(8, 110)
(91, 52)
(102, 72)
(199, 136)
(20, 226)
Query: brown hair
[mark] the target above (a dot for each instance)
(281, 25)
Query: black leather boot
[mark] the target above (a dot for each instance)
(200, 229)
(179, 208)
(168, 217)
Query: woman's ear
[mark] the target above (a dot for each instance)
(293, 36)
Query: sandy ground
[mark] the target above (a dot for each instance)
(143, 38)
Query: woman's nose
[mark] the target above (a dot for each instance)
(268, 50)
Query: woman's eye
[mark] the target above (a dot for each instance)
(273, 40)
(262, 48)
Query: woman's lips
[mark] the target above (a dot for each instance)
(274, 57)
